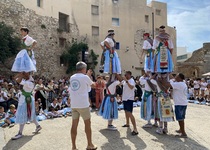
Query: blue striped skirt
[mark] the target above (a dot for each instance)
(116, 66)
(108, 110)
(147, 108)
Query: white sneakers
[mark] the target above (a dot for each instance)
(111, 127)
(147, 125)
(162, 131)
(17, 136)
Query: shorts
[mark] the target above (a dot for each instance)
(196, 89)
(84, 112)
(180, 112)
(128, 105)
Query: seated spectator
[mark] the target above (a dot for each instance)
(10, 116)
(3, 98)
(53, 109)
(2, 116)
(39, 112)
(67, 109)
(207, 94)
(191, 93)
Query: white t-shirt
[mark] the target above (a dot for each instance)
(203, 85)
(109, 41)
(128, 94)
(80, 85)
(156, 44)
(1, 97)
(143, 81)
(179, 93)
(112, 87)
(196, 84)
(146, 45)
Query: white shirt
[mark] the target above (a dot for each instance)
(112, 87)
(146, 45)
(156, 44)
(196, 84)
(203, 85)
(179, 93)
(1, 97)
(155, 83)
(128, 94)
(28, 40)
(110, 41)
(143, 81)
(80, 85)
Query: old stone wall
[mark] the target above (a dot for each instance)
(197, 64)
(43, 29)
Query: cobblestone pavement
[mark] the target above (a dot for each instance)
(55, 134)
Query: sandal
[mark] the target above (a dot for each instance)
(134, 133)
(125, 125)
(181, 136)
(92, 148)
(178, 131)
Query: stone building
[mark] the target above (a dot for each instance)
(45, 30)
(197, 64)
(89, 20)
(129, 18)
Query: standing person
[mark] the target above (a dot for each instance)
(203, 87)
(147, 110)
(26, 105)
(163, 46)
(111, 61)
(99, 90)
(180, 101)
(164, 106)
(80, 85)
(40, 90)
(196, 84)
(3, 99)
(28, 43)
(109, 107)
(147, 50)
(128, 98)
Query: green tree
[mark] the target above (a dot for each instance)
(74, 53)
(9, 44)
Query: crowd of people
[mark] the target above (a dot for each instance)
(199, 90)
(26, 98)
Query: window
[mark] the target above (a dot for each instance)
(95, 30)
(115, 1)
(63, 22)
(39, 3)
(94, 10)
(62, 42)
(182, 57)
(117, 45)
(147, 18)
(158, 12)
(115, 21)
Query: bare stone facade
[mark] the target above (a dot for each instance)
(197, 64)
(51, 41)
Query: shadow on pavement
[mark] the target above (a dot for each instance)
(136, 140)
(114, 140)
(17, 144)
(171, 142)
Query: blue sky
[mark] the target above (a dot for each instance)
(192, 21)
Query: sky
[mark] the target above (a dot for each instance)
(192, 21)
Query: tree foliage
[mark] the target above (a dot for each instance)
(74, 54)
(9, 44)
